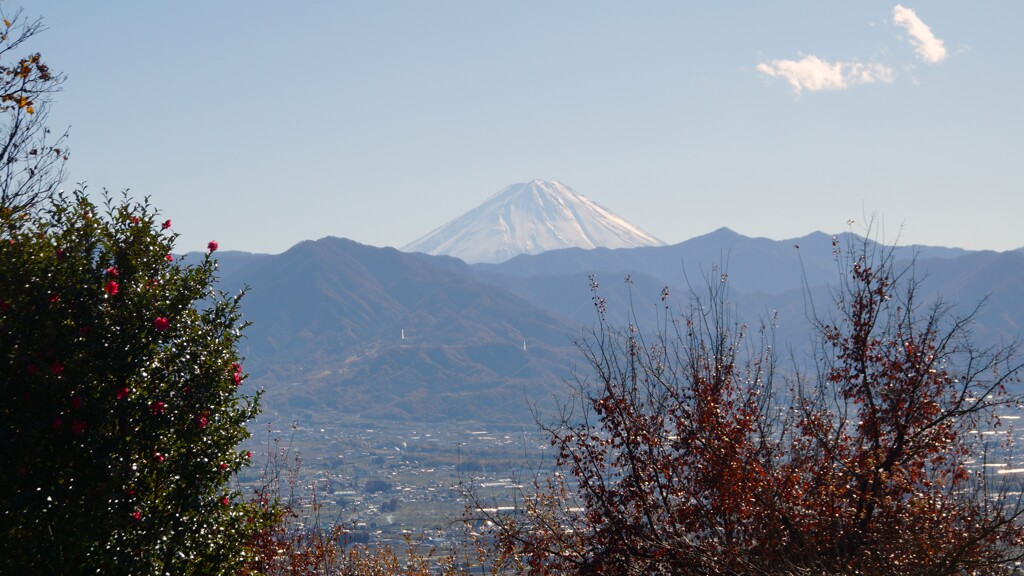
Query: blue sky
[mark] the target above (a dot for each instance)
(261, 124)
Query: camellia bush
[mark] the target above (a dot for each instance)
(120, 414)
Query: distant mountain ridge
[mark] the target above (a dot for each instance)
(357, 331)
(754, 265)
(530, 218)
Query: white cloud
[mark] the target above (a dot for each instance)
(928, 47)
(814, 74)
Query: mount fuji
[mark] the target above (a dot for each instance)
(530, 218)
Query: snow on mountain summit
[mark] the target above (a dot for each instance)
(530, 218)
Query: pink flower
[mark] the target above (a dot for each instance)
(56, 368)
(157, 407)
(165, 225)
(137, 515)
(77, 426)
(56, 424)
(112, 271)
(161, 323)
(111, 287)
(122, 393)
(212, 246)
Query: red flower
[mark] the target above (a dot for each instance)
(54, 298)
(112, 271)
(161, 323)
(111, 287)
(224, 501)
(165, 225)
(249, 454)
(135, 219)
(76, 402)
(202, 420)
(56, 368)
(122, 393)
(169, 258)
(60, 254)
(158, 456)
(212, 246)
(32, 369)
(77, 426)
(56, 424)
(223, 465)
(4, 306)
(137, 515)
(157, 407)
(83, 330)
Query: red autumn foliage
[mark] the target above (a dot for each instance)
(686, 454)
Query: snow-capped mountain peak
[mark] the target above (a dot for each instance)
(530, 218)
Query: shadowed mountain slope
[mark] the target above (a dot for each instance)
(366, 331)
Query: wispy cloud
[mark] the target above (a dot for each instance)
(928, 47)
(814, 74)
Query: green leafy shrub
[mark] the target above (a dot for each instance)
(120, 415)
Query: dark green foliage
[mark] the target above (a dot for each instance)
(120, 417)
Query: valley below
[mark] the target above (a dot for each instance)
(382, 481)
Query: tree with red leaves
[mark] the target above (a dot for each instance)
(686, 455)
